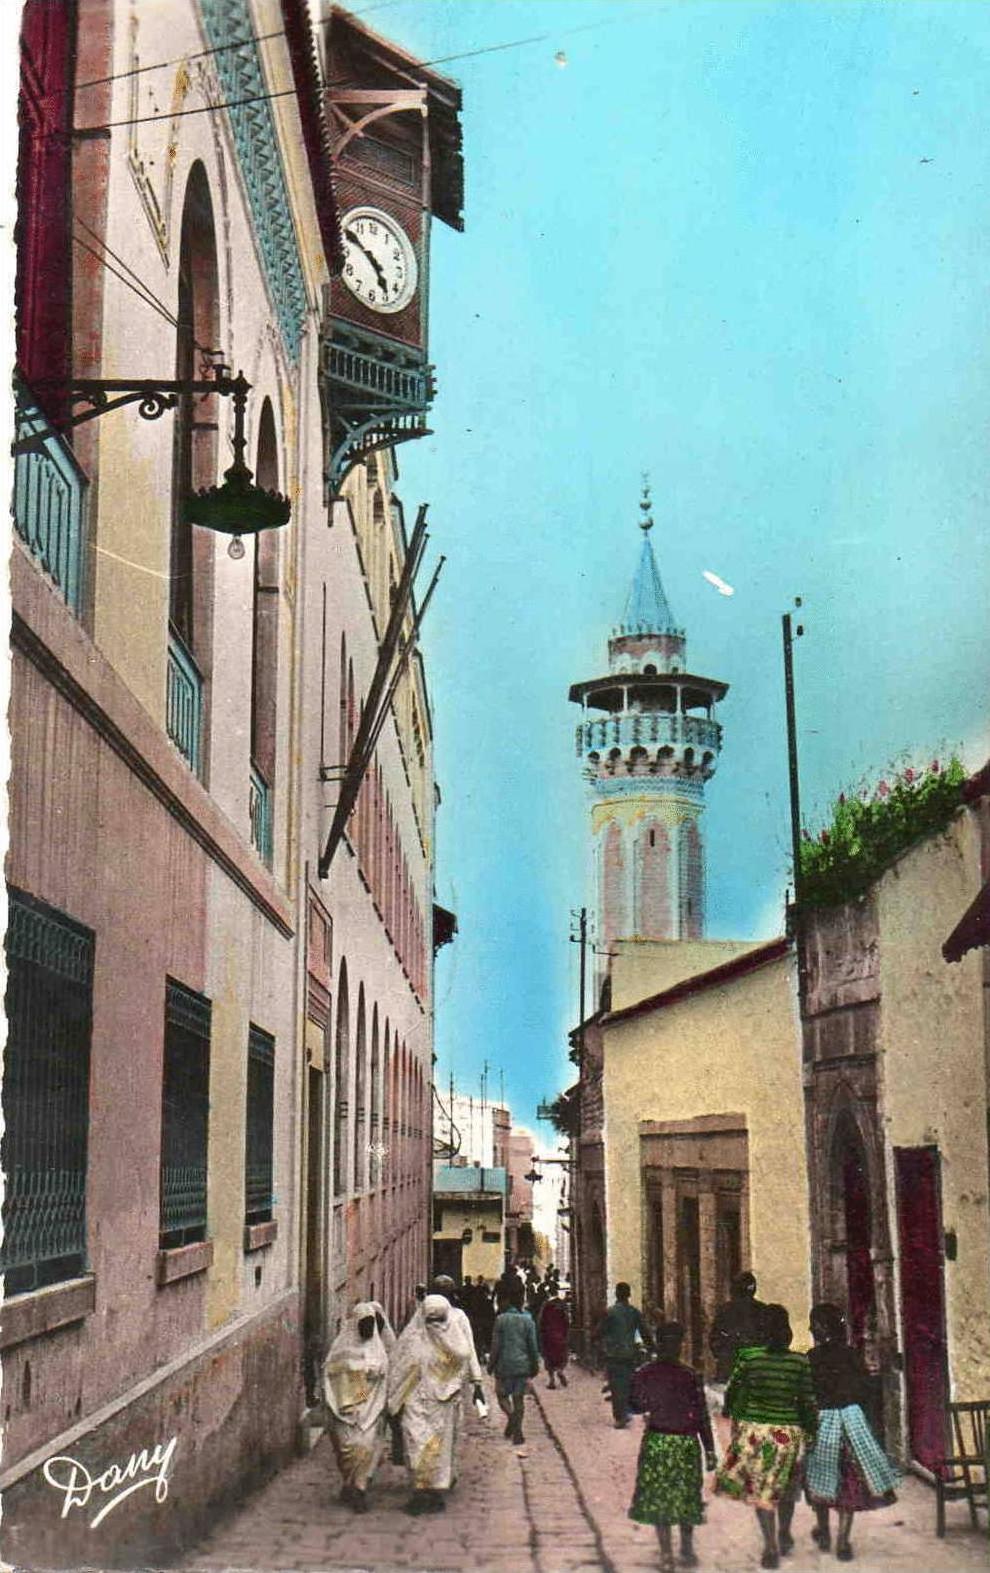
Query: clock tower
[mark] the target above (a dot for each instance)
(648, 741)
(396, 150)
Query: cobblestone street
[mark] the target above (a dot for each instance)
(555, 1505)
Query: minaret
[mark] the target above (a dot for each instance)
(649, 741)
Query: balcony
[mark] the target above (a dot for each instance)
(658, 729)
(184, 703)
(50, 503)
(260, 813)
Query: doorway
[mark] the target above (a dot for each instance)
(922, 1277)
(689, 1277)
(313, 1305)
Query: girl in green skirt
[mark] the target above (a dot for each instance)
(668, 1473)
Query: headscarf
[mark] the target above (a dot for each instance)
(433, 1348)
(355, 1369)
(386, 1333)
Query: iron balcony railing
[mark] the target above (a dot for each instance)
(259, 1168)
(183, 1203)
(398, 387)
(184, 703)
(50, 502)
(260, 814)
(45, 1095)
(640, 731)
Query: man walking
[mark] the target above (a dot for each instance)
(513, 1361)
(618, 1333)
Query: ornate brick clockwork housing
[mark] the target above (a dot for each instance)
(396, 140)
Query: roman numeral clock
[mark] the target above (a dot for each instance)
(396, 145)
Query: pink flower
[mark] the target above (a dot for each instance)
(883, 790)
(909, 774)
(936, 767)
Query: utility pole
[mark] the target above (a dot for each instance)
(792, 757)
(581, 939)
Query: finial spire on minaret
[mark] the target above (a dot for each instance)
(646, 523)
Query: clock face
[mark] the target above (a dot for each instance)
(379, 260)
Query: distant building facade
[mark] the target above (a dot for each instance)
(469, 1221)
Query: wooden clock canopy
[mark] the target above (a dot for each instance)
(396, 144)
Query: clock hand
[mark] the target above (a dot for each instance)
(383, 281)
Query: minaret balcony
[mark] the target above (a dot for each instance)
(623, 734)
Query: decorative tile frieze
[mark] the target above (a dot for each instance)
(256, 145)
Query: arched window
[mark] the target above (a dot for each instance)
(195, 450)
(344, 742)
(341, 1071)
(374, 1154)
(613, 885)
(691, 880)
(655, 916)
(387, 1087)
(264, 629)
(360, 1097)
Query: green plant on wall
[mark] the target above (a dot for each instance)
(868, 830)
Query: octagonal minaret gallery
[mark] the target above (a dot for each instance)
(648, 740)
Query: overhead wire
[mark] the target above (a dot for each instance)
(288, 92)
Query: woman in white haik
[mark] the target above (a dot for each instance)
(431, 1358)
(355, 1376)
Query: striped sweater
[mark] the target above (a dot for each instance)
(772, 1387)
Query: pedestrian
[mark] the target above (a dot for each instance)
(554, 1328)
(484, 1317)
(431, 1358)
(847, 1469)
(738, 1325)
(771, 1401)
(443, 1285)
(355, 1375)
(513, 1360)
(668, 1472)
(620, 1329)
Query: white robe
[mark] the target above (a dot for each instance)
(355, 1376)
(431, 1359)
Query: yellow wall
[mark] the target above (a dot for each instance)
(729, 1049)
(934, 1071)
(484, 1258)
(642, 967)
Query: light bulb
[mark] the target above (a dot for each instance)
(236, 548)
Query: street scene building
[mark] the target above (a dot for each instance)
(220, 876)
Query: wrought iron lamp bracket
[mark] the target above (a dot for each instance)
(152, 395)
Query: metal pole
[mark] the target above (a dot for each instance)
(792, 758)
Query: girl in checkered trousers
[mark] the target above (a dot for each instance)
(847, 1468)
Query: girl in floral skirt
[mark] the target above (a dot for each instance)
(771, 1400)
(668, 1473)
(847, 1468)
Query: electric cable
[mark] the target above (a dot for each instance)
(289, 92)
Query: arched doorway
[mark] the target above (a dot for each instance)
(852, 1228)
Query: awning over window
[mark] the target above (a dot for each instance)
(973, 928)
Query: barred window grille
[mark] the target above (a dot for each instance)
(185, 1117)
(259, 1197)
(45, 1095)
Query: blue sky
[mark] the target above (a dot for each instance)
(744, 247)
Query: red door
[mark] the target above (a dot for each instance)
(919, 1218)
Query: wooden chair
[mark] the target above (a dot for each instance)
(963, 1473)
